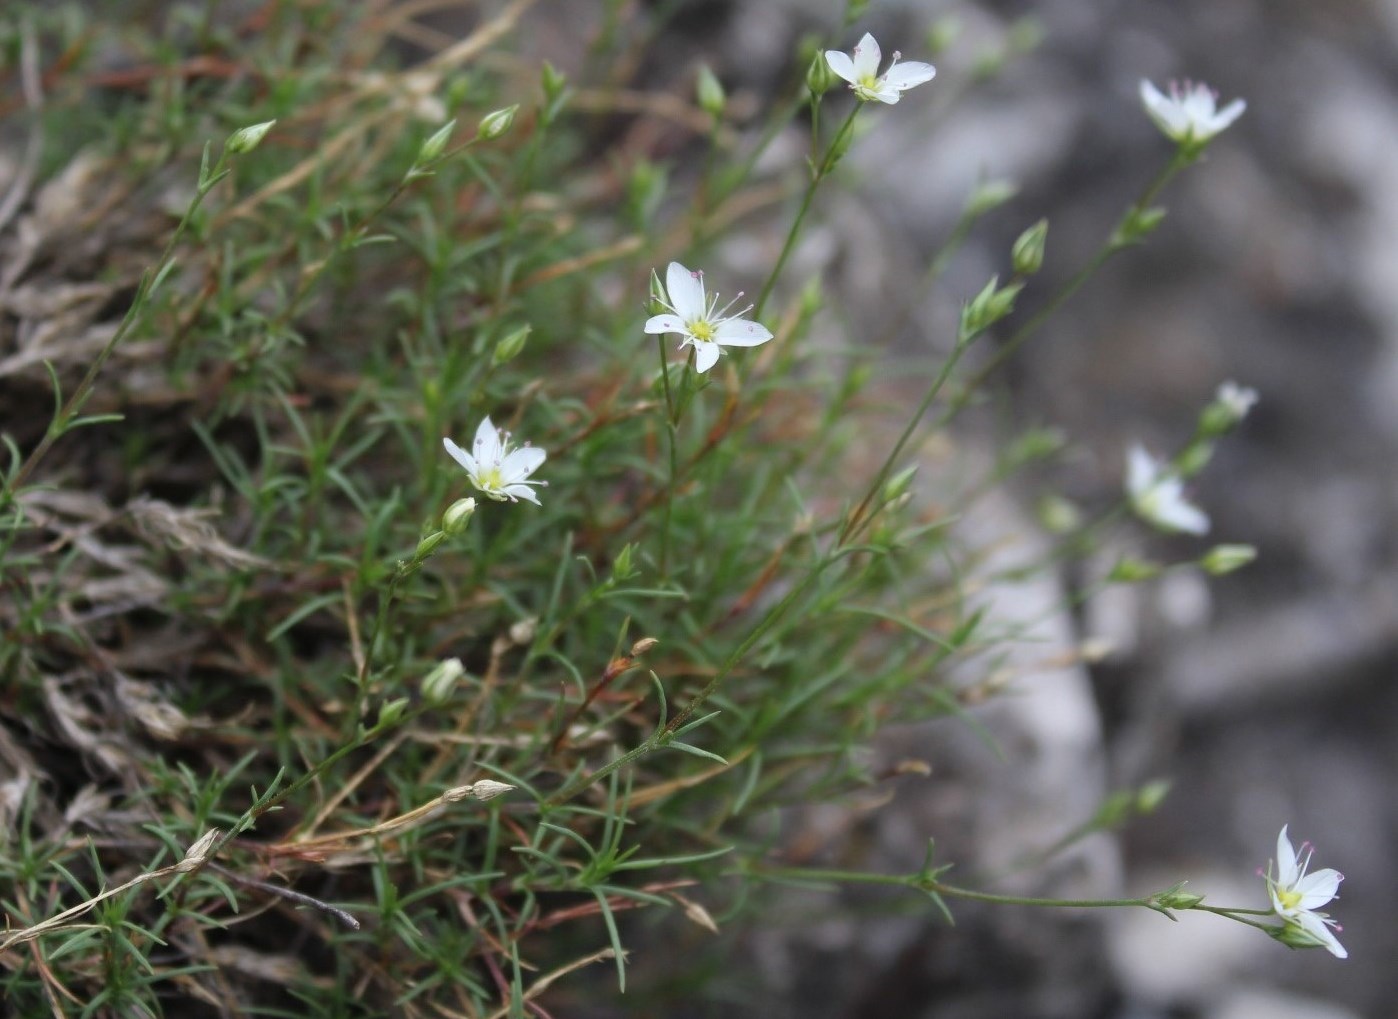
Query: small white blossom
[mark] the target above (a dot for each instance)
(1157, 495)
(1296, 895)
(1189, 114)
(861, 69)
(1236, 399)
(704, 325)
(497, 470)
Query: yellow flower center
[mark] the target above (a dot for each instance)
(701, 329)
(1290, 898)
(491, 480)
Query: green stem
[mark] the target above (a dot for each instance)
(671, 427)
(819, 171)
(1114, 243)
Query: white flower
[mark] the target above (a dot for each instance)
(494, 468)
(1189, 114)
(1297, 895)
(1157, 495)
(1236, 400)
(700, 321)
(861, 70)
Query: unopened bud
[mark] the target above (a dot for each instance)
(1223, 559)
(198, 853)
(391, 712)
(1151, 795)
(621, 565)
(488, 789)
(1136, 225)
(897, 485)
(1177, 898)
(508, 348)
(553, 81)
(439, 683)
(990, 195)
(435, 145)
(246, 139)
(819, 78)
(1229, 407)
(1059, 515)
(988, 307)
(1128, 570)
(709, 92)
(458, 515)
(1027, 255)
(428, 545)
(496, 123)
(642, 646)
(522, 632)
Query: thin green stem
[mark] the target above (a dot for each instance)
(671, 427)
(819, 171)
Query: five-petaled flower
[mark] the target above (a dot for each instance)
(497, 470)
(1189, 114)
(1297, 895)
(861, 70)
(1157, 495)
(701, 322)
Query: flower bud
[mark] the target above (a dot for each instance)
(391, 712)
(508, 348)
(246, 139)
(819, 78)
(488, 789)
(642, 646)
(1229, 407)
(1151, 795)
(435, 145)
(522, 632)
(1027, 255)
(1059, 515)
(1176, 898)
(553, 81)
(1223, 559)
(497, 122)
(990, 195)
(1128, 570)
(621, 565)
(438, 684)
(198, 852)
(988, 307)
(897, 485)
(458, 515)
(1136, 225)
(709, 92)
(429, 544)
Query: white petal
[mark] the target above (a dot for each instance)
(521, 492)
(486, 448)
(1228, 114)
(884, 94)
(1319, 888)
(841, 64)
(867, 57)
(739, 332)
(705, 355)
(664, 324)
(462, 457)
(1174, 513)
(1141, 470)
(1316, 928)
(1287, 870)
(1152, 97)
(521, 463)
(686, 290)
(905, 76)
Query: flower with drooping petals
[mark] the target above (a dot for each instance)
(1296, 895)
(861, 69)
(496, 469)
(1189, 114)
(701, 322)
(1157, 495)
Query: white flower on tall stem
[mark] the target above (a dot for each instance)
(496, 469)
(698, 318)
(1157, 495)
(861, 69)
(1189, 114)
(1296, 895)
